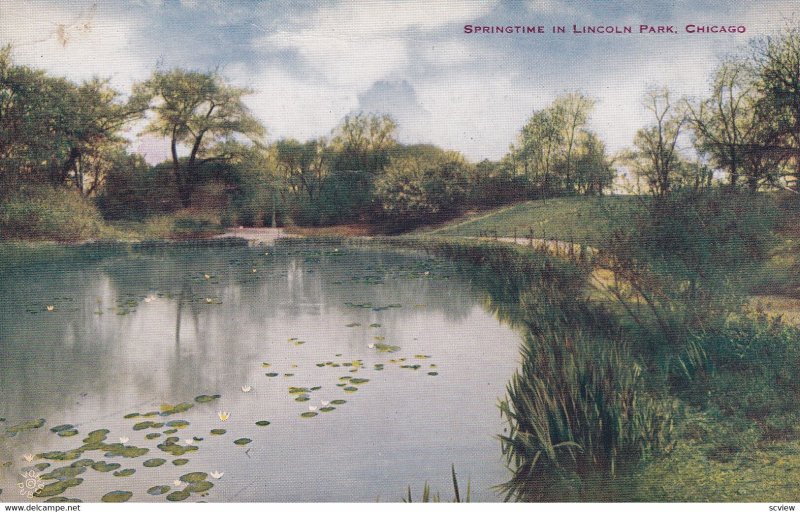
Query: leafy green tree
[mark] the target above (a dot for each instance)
(593, 171)
(656, 157)
(52, 130)
(419, 188)
(361, 149)
(730, 127)
(573, 110)
(197, 111)
(303, 165)
(777, 64)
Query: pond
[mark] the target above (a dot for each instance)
(299, 372)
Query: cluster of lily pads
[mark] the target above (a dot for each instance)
(59, 480)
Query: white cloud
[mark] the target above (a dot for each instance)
(77, 42)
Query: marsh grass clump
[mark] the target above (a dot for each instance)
(578, 407)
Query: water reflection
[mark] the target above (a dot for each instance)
(137, 329)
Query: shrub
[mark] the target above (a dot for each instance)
(681, 262)
(49, 213)
(183, 224)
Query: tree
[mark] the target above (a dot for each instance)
(593, 171)
(419, 188)
(547, 146)
(729, 126)
(361, 149)
(656, 156)
(197, 111)
(304, 166)
(538, 146)
(52, 130)
(777, 63)
(573, 110)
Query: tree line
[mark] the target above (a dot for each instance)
(57, 133)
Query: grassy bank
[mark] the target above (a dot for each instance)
(581, 219)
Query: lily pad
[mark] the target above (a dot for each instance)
(178, 424)
(65, 473)
(57, 455)
(243, 441)
(354, 324)
(153, 463)
(262, 423)
(120, 450)
(170, 431)
(147, 424)
(338, 402)
(218, 431)
(131, 415)
(25, 425)
(271, 374)
(68, 433)
(124, 472)
(62, 499)
(83, 463)
(180, 462)
(153, 435)
(358, 381)
(59, 428)
(302, 398)
(57, 488)
(116, 497)
(203, 486)
(194, 477)
(167, 410)
(350, 389)
(383, 347)
(308, 414)
(327, 409)
(96, 436)
(105, 467)
(178, 495)
(298, 391)
(158, 490)
(204, 399)
(316, 388)
(177, 449)
(41, 466)
(433, 374)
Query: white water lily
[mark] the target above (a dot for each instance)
(216, 474)
(50, 307)
(224, 415)
(188, 441)
(28, 457)
(312, 408)
(123, 440)
(246, 389)
(209, 300)
(371, 345)
(254, 271)
(325, 403)
(177, 483)
(206, 276)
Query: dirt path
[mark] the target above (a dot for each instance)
(256, 236)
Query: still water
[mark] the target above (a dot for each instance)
(86, 343)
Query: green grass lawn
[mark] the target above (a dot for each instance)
(580, 219)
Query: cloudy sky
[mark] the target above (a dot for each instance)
(313, 62)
